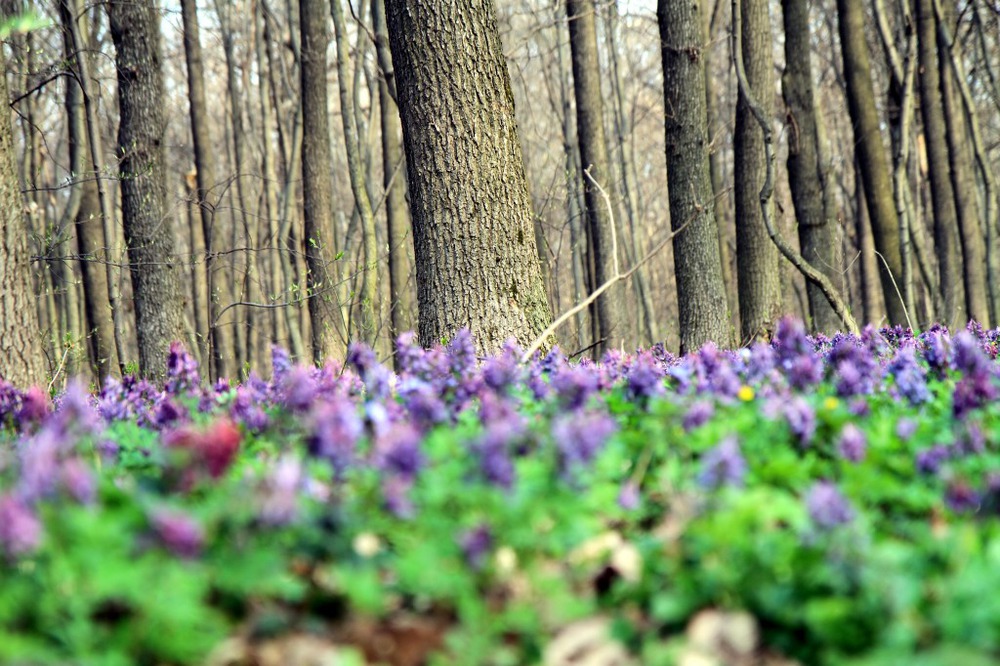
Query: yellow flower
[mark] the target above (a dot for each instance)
(831, 403)
(745, 393)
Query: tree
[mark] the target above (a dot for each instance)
(473, 228)
(223, 344)
(756, 256)
(945, 214)
(701, 294)
(807, 172)
(149, 233)
(22, 360)
(581, 16)
(399, 238)
(874, 169)
(317, 181)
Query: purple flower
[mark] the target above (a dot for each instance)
(937, 350)
(281, 363)
(78, 480)
(629, 497)
(911, 382)
(723, 465)
(905, 428)
(801, 419)
(501, 372)
(961, 497)
(580, 437)
(852, 443)
(929, 461)
(336, 428)
(494, 449)
(20, 529)
(168, 413)
(422, 402)
(476, 545)
(182, 370)
(698, 414)
(279, 497)
(180, 533)
(574, 385)
(375, 375)
(34, 407)
(396, 495)
(645, 379)
(298, 389)
(398, 451)
(827, 507)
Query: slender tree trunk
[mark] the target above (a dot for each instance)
(594, 157)
(469, 194)
(807, 176)
(874, 169)
(946, 241)
(149, 229)
(756, 256)
(701, 294)
(222, 326)
(963, 180)
(199, 274)
(317, 182)
(20, 332)
(369, 323)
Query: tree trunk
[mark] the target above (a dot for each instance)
(474, 240)
(701, 294)
(21, 346)
(963, 180)
(594, 158)
(222, 325)
(946, 241)
(871, 153)
(756, 256)
(149, 230)
(397, 214)
(807, 175)
(317, 182)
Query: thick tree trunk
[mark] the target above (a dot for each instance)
(22, 359)
(807, 176)
(149, 230)
(946, 241)
(701, 294)
(874, 169)
(317, 182)
(474, 240)
(222, 325)
(964, 185)
(400, 240)
(594, 158)
(756, 256)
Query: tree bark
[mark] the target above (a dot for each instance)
(701, 294)
(756, 256)
(399, 237)
(222, 325)
(149, 230)
(594, 157)
(946, 241)
(317, 182)
(807, 175)
(474, 240)
(21, 346)
(963, 180)
(874, 169)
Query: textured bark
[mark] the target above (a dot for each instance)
(317, 182)
(99, 327)
(701, 294)
(964, 185)
(874, 169)
(946, 242)
(807, 176)
(756, 256)
(223, 339)
(22, 360)
(397, 213)
(149, 230)
(594, 157)
(473, 229)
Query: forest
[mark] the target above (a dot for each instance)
(240, 175)
(500, 333)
